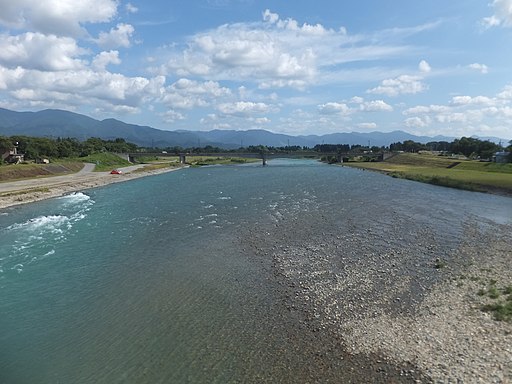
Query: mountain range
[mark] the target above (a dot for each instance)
(59, 123)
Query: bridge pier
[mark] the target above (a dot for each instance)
(183, 158)
(264, 159)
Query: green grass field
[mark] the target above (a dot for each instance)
(446, 171)
(104, 161)
(24, 171)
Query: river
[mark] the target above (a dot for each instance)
(157, 280)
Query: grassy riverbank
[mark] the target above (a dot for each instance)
(26, 171)
(445, 171)
(105, 162)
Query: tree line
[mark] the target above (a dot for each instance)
(38, 147)
(467, 146)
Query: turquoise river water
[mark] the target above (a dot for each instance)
(149, 281)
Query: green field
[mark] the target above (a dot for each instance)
(446, 171)
(104, 161)
(24, 171)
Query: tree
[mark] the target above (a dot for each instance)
(5, 143)
(471, 147)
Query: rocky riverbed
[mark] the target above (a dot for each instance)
(395, 300)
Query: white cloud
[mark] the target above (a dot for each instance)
(116, 37)
(130, 8)
(401, 85)
(103, 59)
(244, 108)
(270, 17)
(426, 109)
(187, 94)
(375, 106)
(424, 67)
(59, 17)
(80, 87)
(335, 108)
(478, 100)
(357, 100)
(38, 51)
(491, 21)
(172, 116)
(261, 120)
(476, 113)
(506, 93)
(479, 67)
(274, 53)
(417, 122)
(502, 14)
(367, 126)
(453, 117)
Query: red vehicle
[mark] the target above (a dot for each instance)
(116, 172)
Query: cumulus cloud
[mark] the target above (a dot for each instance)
(80, 87)
(334, 108)
(357, 100)
(239, 52)
(502, 14)
(424, 67)
(270, 17)
(37, 51)
(274, 53)
(482, 68)
(417, 122)
(103, 59)
(367, 126)
(506, 94)
(401, 85)
(172, 116)
(262, 120)
(59, 17)
(375, 106)
(478, 112)
(426, 109)
(243, 108)
(478, 100)
(116, 37)
(187, 94)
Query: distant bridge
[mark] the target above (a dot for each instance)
(264, 156)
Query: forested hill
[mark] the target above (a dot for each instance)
(58, 123)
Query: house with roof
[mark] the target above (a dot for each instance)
(502, 157)
(11, 155)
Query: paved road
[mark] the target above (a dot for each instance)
(85, 174)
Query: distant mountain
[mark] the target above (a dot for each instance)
(59, 123)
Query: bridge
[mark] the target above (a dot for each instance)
(264, 156)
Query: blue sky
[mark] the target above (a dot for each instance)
(302, 67)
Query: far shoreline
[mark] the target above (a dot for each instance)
(48, 188)
(437, 181)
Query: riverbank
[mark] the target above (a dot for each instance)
(32, 190)
(445, 171)
(395, 307)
